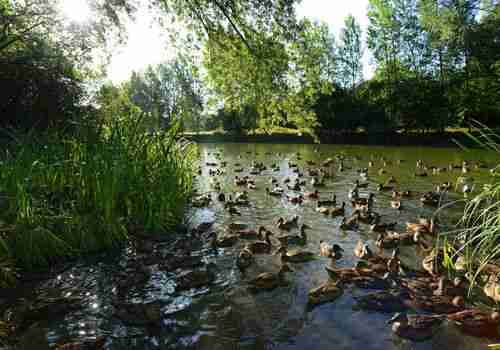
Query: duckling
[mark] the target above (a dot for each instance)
(350, 223)
(327, 202)
(330, 250)
(338, 211)
(283, 224)
(295, 255)
(312, 195)
(270, 280)
(325, 293)
(417, 328)
(245, 258)
(262, 247)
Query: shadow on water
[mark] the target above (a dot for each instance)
(227, 315)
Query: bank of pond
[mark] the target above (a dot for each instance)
(288, 247)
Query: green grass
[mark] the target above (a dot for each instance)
(64, 196)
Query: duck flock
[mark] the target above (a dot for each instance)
(420, 299)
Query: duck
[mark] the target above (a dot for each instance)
(384, 242)
(250, 233)
(433, 263)
(430, 198)
(364, 201)
(422, 225)
(353, 193)
(381, 301)
(322, 210)
(391, 180)
(245, 258)
(338, 211)
(350, 223)
(396, 204)
(196, 278)
(325, 293)
(299, 239)
(312, 195)
(295, 255)
(415, 328)
(223, 241)
(361, 185)
(440, 304)
(330, 250)
(382, 227)
(262, 247)
(270, 280)
(274, 192)
(401, 194)
(492, 287)
(362, 250)
(384, 187)
(476, 322)
(328, 202)
(283, 224)
(295, 199)
(237, 226)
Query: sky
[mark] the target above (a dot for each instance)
(147, 42)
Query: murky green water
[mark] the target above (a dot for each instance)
(226, 315)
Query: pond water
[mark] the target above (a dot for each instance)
(227, 315)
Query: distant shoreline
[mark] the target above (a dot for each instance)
(430, 139)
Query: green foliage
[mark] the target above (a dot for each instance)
(65, 196)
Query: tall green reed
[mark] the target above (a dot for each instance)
(62, 196)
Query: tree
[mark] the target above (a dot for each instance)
(351, 53)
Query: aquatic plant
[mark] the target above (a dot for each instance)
(477, 237)
(62, 196)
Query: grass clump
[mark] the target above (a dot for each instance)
(61, 196)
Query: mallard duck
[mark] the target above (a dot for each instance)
(275, 192)
(326, 292)
(295, 255)
(383, 301)
(433, 263)
(382, 226)
(338, 211)
(283, 224)
(295, 199)
(364, 201)
(422, 226)
(237, 226)
(262, 247)
(330, 250)
(245, 258)
(362, 250)
(361, 185)
(299, 239)
(223, 241)
(391, 180)
(437, 304)
(322, 210)
(416, 327)
(430, 198)
(251, 234)
(478, 323)
(396, 204)
(384, 187)
(328, 202)
(350, 223)
(196, 278)
(312, 195)
(384, 242)
(270, 280)
(492, 288)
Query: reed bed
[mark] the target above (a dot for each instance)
(63, 196)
